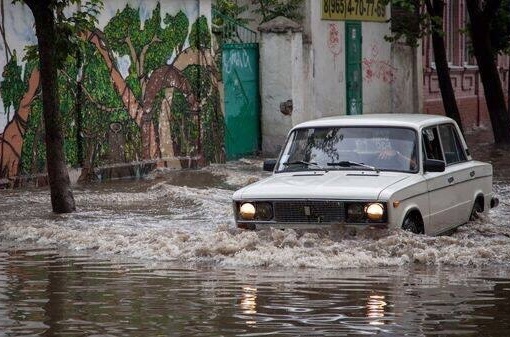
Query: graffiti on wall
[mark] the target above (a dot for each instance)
(374, 68)
(334, 45)
(237, 59)
(144, 89)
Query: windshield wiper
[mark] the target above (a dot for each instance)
(302, 162)
(348, 163)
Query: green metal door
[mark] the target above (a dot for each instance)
(241, 87)
(353, 68)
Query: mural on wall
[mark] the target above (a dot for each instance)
(144, 89)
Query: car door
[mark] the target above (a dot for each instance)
(460, 170)
(441, 203)
(450, 195)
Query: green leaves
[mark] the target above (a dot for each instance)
(199, 37)
(230, 9)
(124, 24)
(161, 45)
(176, 29)
(68, 27)
(410, 23)
(500, 29)
(267, 9)
(12, 87)
(270, 9)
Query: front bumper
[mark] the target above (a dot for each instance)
(308, 226)
(309, 214)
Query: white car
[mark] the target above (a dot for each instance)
(409, 171)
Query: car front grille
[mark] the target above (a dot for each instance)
(295, 211)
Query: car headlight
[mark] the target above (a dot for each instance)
(247, 211)
(374, 212)
(355, 212)
(262, 211)
(360, 212)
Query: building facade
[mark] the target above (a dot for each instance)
(338, 62)
(463, 71)
(151, 90)
(335, 62)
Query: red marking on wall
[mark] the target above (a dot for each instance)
(334, 40)
(376, 69)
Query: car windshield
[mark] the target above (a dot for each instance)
(353, 148)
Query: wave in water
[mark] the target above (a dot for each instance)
(158, 221)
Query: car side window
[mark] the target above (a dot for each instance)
(431, 144)
(453, 151)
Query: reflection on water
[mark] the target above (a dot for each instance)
(50, 292)
(161, 257)
(375, 308)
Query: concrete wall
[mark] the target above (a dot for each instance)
(391, 81)
(281, 89)
(407, 90)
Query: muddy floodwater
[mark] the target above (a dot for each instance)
(160, 256)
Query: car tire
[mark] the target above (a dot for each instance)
(475, 212)
(413, 223)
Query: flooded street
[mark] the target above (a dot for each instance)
(51, 293)
(161, 257)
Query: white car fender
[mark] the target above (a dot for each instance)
(403, 199)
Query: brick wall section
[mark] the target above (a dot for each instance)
(463, 72)
(469, 93)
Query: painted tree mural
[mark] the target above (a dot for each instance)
(139, 91)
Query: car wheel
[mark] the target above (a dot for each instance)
(413, 224)
(475, 212)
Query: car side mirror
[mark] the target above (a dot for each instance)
(269, 165)
(434, 165)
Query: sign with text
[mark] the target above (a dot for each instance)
(359, 10)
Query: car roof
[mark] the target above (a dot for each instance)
(410, 120)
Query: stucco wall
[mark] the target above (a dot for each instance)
(407, 90)
(390, 80)
(277, 80)
(380, 73)
(328, 65)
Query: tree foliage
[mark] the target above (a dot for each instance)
(500, 29)
(267, 9)
(232, 10)
(411, 20)
(483, 15)
(199, 35)
(13, 86)
(67, 27)
(270, 9)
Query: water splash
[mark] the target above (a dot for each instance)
(154, 220)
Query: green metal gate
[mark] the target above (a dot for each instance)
(354, 97)
(240, 75)
(242, 104)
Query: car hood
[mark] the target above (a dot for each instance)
(346, 185)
